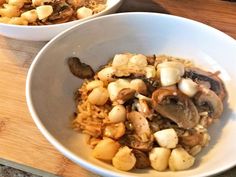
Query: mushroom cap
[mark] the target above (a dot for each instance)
(142, 160)
(207, 100)
(79, 69)
(193, 139)
(172, 104)
(208, 79)
(124, 95)
(62, 12)
(135, 142)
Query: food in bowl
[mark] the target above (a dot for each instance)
(141, 111)
(47, 12)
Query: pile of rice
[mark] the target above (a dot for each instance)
(91, 119)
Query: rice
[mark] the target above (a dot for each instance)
(90, 118)
(164, 58)
(93, 120)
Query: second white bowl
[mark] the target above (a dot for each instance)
(47, 32)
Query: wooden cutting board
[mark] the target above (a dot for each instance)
(20, 140)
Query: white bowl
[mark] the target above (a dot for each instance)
(50, 85)
(47, 32)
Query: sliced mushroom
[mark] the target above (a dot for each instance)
(62, 12)
(27, 6)
(207, 100)
(135, 142)
(151, 60)
(192, 139)
(79, 69)
(142, 160)
(140, 124)
(152, 84)
(207, 79)
(124, 95)
(176, 106)
(154, 125)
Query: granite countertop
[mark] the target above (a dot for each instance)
(6, 171)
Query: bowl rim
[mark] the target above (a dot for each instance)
(65, 151)
(74, 22)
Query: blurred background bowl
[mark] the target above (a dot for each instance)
(47, 32)
(50, 84)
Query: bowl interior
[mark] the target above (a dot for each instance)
(50, 85)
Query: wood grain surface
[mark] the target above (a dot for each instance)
(20, 140)
(216, 13)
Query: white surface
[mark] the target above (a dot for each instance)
(47, 32)
(50, 85)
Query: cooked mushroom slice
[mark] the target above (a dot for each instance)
(207, 79)
(207, 100)
(151, 60)
(154, 125)
(152, 84)
(81, 70)
(142, 160)
(140, 124)
(124, 95)
(176, 106)
(62, 12)
(192, 139)
(135, 142)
